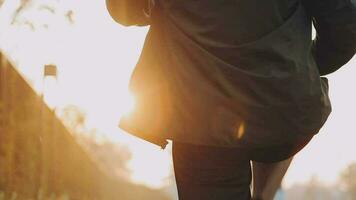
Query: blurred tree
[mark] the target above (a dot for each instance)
(73, 118)
(348, 179)
(316, 190)
(16, 12)
(24, 4)
(111, 158)
(311, 192)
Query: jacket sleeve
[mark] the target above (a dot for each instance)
(335, 24)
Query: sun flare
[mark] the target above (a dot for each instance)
(95, 58)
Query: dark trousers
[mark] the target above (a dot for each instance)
(217, 173)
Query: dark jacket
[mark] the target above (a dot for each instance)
(239, 73)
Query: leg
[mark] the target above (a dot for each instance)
(267, 178)
(211, 173)
(270, 164)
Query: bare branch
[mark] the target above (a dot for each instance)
(23, 5)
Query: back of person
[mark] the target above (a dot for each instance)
(234, 81)
(235, 74)
(229, 21)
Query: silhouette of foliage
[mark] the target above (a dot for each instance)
(348, 178)
(110, 157)
(18, 15)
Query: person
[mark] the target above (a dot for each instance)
(235, 82)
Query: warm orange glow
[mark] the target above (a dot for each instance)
(241, 130)
(150, 166)
(129, 103)
(95, 58)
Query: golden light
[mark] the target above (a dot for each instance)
(50, 92)
(128, 103)
(240, 132)
(150, 165)
(95, 58)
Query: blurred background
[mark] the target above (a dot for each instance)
(64, 72)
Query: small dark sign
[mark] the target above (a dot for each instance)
(50, 70)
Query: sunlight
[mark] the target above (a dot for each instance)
(95, 59)
(50, 92)
(128, 103)
(150, 165)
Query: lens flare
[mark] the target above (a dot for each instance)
(240, 130)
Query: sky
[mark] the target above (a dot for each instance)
(95, 58)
